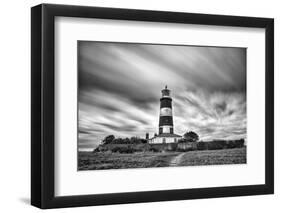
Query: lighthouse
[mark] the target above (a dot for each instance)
(166, 114)
(166, 125)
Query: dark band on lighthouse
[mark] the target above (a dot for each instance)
(166, 115)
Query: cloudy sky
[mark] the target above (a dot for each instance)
(120, 87)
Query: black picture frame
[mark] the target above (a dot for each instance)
(43, 102)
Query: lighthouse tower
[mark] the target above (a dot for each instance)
(166, 115)
(166, 126)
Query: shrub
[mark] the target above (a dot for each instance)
(153, 149)
(191, 136)
(124, 149)
(235, 144)
(240, 143)
(133, 140)
(182, 140)
(202, 145)
(96, 149)
(215, 145)
(108, 139)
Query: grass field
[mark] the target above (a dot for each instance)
(93, 161)
(104, 160)
(214, 157)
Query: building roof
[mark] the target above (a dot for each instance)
(167, 135)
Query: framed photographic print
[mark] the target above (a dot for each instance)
(139, 106)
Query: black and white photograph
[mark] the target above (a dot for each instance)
(147, 104)
(160, 105)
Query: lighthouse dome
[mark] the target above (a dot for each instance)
(166, 92)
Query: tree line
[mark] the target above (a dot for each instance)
(110, 139)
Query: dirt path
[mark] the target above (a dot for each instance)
(176, 160)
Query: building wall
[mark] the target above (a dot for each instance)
(164, 140)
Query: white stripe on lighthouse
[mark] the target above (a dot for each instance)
(166, 128)
(166, 111)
